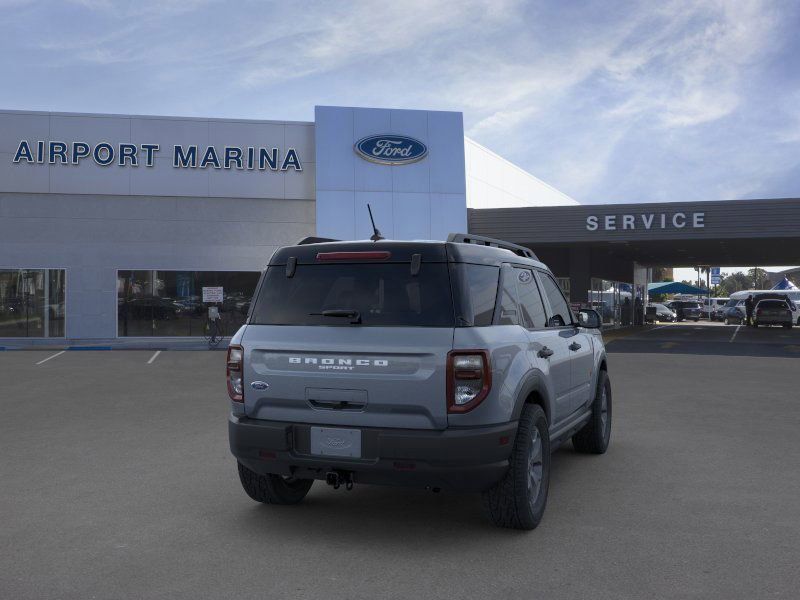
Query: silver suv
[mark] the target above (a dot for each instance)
(446, 365)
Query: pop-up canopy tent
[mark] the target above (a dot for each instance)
(673, 287)
(785, 285)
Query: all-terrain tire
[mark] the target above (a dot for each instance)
(273, 489)
(596, 434)
(516, 501)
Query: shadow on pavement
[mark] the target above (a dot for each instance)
(407, 515)
(712, 341)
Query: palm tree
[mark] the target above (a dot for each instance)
(759, 278)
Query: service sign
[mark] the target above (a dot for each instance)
(646, 221)
(389, 149)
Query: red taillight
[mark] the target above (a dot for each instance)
(234, 373)
(369, 255)
(469, 379)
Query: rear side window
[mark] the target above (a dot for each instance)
(476, 293)
(561, 313)
(508, 299)
(384, 295)
(530, 300)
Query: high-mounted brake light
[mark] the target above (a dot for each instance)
(234, 373)
(368, 255)
(469, 379)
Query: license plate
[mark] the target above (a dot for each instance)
(331, 441)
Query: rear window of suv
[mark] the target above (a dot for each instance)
(384, 295)
(773, 304)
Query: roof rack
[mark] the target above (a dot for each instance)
(468, 238)
(315, 240)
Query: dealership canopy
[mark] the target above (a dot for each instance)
(673, 287)
(785, 285)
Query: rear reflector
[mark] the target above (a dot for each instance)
(369, 255)
(404, 466)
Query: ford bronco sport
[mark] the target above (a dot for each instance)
(451, 365)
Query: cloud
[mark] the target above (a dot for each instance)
(604, 99)
(357, 33)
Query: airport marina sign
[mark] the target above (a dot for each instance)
(105, 154)
(646, 221)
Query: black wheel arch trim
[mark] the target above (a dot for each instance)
(533, 382)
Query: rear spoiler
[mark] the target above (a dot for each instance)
(315, 240)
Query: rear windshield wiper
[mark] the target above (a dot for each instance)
(353, 315)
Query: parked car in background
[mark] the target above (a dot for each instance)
(792, 295)
(733, 312)
(685, 310)
(773, 312)
(663, 314)
(713, 308)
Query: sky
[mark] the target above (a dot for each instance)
(607, 101)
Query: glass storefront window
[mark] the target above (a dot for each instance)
(32, 302)
(615, 301)
(170, 303)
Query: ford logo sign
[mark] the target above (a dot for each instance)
(388, 149)
(259, 385)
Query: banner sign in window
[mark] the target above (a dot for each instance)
(212, 294)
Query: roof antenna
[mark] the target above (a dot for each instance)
(377, 234)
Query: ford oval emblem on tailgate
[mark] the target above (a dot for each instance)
(259, 385)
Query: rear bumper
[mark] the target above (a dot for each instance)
(773, 320)
(463, 459)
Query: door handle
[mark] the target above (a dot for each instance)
(574, 346)
(545, 352)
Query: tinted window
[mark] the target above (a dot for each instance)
(32, 302)
(508, 300)
(476, 287)
(773, 304)
(530, 300)
(558, 305)
(170, 303)
(385, 295)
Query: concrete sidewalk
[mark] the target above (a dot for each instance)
(159, 343)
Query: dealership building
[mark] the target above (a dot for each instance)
(119, 226)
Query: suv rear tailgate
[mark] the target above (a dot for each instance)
(348, 376)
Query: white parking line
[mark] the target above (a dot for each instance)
(152, 358)
(738, 327)
(49, 357)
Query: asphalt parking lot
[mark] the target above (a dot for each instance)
(116, 482)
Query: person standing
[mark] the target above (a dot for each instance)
(748, 310)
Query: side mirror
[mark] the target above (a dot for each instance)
(589, 318)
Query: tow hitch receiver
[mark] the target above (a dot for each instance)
(339, 478)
